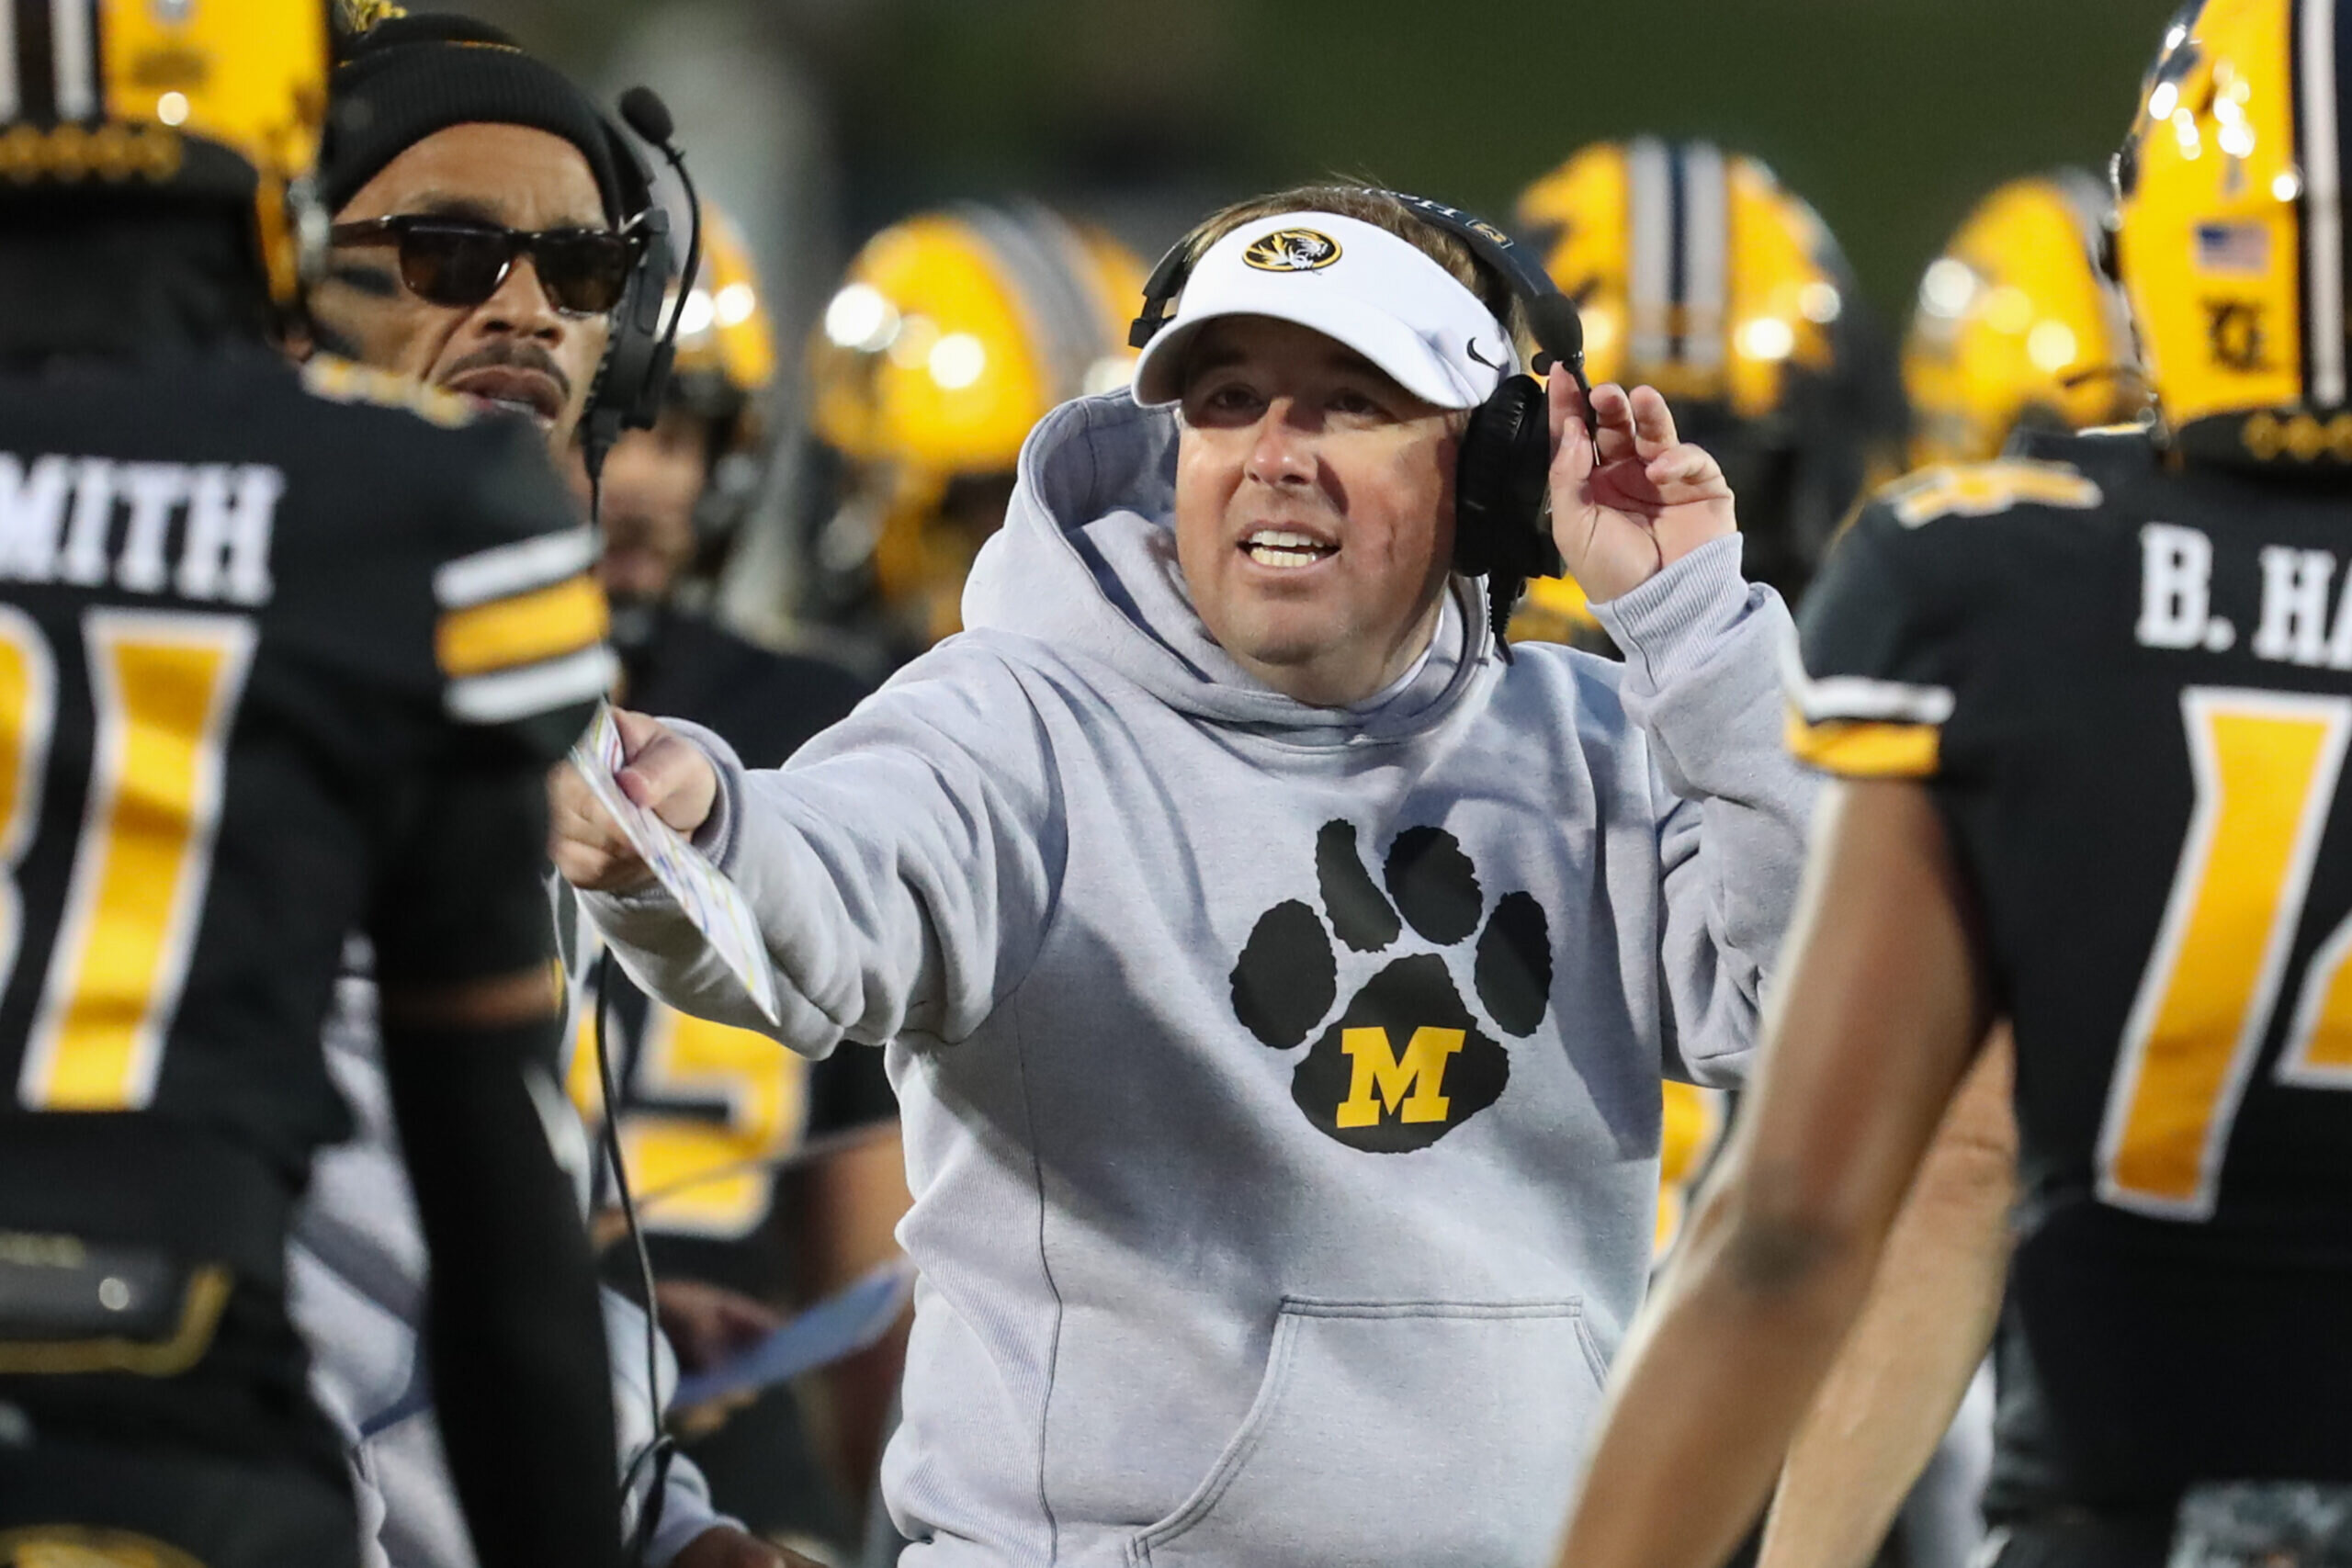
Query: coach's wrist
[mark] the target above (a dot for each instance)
(715, 835)
(1675, 620)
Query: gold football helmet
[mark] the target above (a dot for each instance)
(952, 333)
(726, 364)
(2017, 325)
(2230, 233)
(1698, 271)
(724, 377)
(1695, 270)
(200, 96)
(1556, 610)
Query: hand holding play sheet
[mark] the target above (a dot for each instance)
(589, 815)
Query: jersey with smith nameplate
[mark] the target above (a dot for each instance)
(2129, 686)
(282, 655)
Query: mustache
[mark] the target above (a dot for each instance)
(513, 356)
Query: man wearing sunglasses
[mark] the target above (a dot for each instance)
(479, 242)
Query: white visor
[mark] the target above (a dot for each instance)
(1351, 281)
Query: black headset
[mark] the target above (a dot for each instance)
(626, 394)
(1503, 468)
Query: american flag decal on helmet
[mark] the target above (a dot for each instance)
(2241, 250)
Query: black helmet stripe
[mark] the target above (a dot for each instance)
(2317, 50)
(74, 42)
(36, 64)
(1678, 250)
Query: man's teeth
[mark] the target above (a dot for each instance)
(1276, 546)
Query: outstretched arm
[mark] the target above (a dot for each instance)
(1878, 1015)
(901, 867)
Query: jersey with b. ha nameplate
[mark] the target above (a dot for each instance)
(2129, 685)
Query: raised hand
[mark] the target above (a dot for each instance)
(1624, 513)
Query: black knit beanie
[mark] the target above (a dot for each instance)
(409, 76)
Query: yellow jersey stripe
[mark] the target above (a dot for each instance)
(524, 629)
(1866, 748)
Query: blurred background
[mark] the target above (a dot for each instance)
(817, 121)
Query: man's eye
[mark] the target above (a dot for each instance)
(1348, 400)
(1230, 398)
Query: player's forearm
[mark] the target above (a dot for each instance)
(1708, 1392)
(1879, 1016)
(1904, 1366)
(513, 1328)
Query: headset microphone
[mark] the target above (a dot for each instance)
(648, 115)
(645, 113)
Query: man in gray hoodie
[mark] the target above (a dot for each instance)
(1277, 980)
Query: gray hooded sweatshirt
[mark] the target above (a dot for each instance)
(1279, 1083)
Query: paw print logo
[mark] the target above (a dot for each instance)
(1407, 1061)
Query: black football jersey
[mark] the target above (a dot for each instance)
(2129, 687)
(252, 621)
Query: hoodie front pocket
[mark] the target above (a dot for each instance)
(1443, 1434)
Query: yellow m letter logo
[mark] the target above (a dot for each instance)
(1408, 1089)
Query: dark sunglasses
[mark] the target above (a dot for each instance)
(462, 261)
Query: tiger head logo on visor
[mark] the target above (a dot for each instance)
(1292, 250)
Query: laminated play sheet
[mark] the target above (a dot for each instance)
(841, 1325)
(714, 903)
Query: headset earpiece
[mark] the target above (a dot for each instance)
(1500, 478)
(626, 394)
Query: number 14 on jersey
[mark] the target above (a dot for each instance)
(2266, 766)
